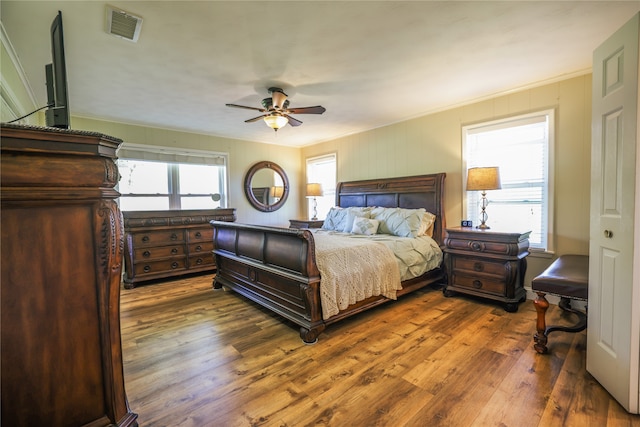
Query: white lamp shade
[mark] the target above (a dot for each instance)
(482, 179)
(277, 191)
(314, 189)
(276, 121)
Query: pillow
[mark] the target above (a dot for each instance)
(426, 226)
(333, 219)
(399, 221)
(350, 218)
(341, 219)
(362, 225)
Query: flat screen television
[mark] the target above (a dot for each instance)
(57, 115)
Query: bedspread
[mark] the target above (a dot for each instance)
(346, 272)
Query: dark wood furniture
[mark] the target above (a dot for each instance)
(568, 278)
(306, 223)
(487, 263)
(276, 267)
(62, 252)
(162, 244)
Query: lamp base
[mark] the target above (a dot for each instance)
(483, 226)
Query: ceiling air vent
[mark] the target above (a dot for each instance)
(123, 24)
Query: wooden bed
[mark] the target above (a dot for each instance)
(276, 267)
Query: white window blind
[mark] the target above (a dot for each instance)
(322, 169)
(520, 147)
(159, 178)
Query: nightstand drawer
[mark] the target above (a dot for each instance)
(483, 284)
(479, 266)
(481, 247)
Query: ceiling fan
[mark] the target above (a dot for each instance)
(277, 111)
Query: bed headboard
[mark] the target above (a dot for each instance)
(410, 192)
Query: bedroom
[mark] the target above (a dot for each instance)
(432, 140)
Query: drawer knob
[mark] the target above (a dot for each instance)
(198, 248)
(147, 268)
(174, 236)
(477, 246)
(477, 284)
(145, 239)
(174, 265)
(199, 261)
(146, 254)
(478, 266)
(198, 234)
(174, 251)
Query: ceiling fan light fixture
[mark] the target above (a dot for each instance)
(278, 98)
(275, 121)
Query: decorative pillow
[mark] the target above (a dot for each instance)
(333, 218)
(350, 217)
(398, 221)
(426, 226)
(362, 225)
(341, 219)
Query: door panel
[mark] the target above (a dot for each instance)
(613, 335)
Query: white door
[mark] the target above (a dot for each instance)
(613, 334)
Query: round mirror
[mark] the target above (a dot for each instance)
(266, 186)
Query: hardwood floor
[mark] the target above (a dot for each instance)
(198, 357)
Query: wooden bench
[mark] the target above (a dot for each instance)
(568, 278)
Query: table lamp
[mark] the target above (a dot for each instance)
(314, 190)
(483, 179)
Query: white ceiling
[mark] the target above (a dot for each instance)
(369, 63)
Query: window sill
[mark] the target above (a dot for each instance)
(541, 253)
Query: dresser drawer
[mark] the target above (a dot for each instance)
(201, 260)
(475, 265)
(153, 267)
(152, 238)
(200, 248)
(201, 234)
(481, 284)
(157, 252)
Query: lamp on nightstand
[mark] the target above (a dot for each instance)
(483, 179)
(314, 190)
(277, 192)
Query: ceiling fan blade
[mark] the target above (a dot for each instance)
(255, 119)
(262, 110)
(292, 121)
(307, 110)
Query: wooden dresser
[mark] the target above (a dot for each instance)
(162, 244)
(62, 247)
(487, 263)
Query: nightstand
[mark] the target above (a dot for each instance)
(306, 223)
(487, 263)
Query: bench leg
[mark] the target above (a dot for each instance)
(540, 338)
(581, 325)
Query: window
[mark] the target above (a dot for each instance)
(322, 170)
(521, 147)
(158, 178)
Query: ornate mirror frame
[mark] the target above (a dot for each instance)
(251, 197)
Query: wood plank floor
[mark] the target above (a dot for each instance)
(198, 357)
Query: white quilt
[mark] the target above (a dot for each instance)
(345, 260)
